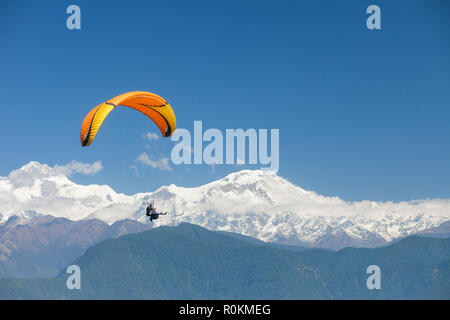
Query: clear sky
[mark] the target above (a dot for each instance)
(363, 114)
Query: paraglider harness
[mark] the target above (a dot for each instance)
(151, 212)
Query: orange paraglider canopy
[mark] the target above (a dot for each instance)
(150, 104)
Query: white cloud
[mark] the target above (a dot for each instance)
(162, 163)
(135, 169)
(150, 136)
(79, 167)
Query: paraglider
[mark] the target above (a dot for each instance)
(150, 104)
(151, 212)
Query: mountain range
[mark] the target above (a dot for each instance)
(190, 262)
(32, 245)
(248, 202)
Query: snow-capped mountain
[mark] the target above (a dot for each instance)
(249, 202)
(43, 189)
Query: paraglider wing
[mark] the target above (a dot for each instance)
(150, 104)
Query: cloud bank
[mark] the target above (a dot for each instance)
(150, 136)
(162, 164)
(79, 167)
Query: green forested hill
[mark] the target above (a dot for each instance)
(189, 262)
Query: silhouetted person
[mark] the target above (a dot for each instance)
(151, 212)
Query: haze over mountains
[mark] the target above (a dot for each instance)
(248, 202)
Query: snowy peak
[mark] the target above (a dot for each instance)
(27, 175)
(252, 179)
(248, 177)
(246, 191)
(20, 219)
(47, 190)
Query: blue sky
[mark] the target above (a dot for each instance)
(362, 114)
